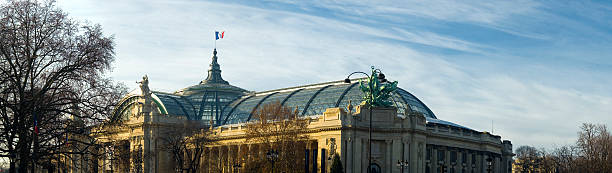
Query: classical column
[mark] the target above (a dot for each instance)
(148, 148)
(497, 164)
(358, 157)
(460, 161)
(314, 150)
(206, 160)
(434, 159)
(210, 160)
(228, 160)
(447, 160)
(411, 154)
(481, 162)
(132, 156)
(349, 155)
(249, 152)
(388, 158)
(397, 153)
(220, 158)
(468, 161)
(239, 156)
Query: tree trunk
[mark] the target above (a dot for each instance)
(24, 155)
(12, 166)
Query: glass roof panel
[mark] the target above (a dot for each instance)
(299, 99)
(327, 98)
(172, 105)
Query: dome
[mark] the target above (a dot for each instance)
(203, 101)
(314, 100)
(215, 100)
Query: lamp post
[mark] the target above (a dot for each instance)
(237, 167)
(402, 164)
(489, 164)
(442, 166)
(381, 78)
(272, 155)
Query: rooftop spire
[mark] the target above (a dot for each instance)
(214, 73)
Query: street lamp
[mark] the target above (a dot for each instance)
(272, 155)
(381, 78)
(237, 166)
(402, 164)
(442, 166)
(489, 164)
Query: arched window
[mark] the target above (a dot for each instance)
(374, 168)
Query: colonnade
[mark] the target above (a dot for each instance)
(460, 160)
(233, 158)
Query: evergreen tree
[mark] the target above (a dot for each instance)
(336, 166)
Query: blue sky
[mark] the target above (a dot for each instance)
(536, 69)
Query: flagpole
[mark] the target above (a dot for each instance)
(216, 38)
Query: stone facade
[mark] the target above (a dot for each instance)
(426, 146)
(407, 132)
(394, 138)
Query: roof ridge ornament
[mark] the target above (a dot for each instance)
(214, 72)
(144, 86)
(377, 90)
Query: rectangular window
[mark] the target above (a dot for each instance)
(440, 155)
(428, 154)
(473, 158)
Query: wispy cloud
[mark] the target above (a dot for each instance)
(512, 63)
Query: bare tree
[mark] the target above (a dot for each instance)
(52, 75)
(565, 159)
(528, 158)
(594, 148)
(186, 142)
(277, 128)
(591, 154)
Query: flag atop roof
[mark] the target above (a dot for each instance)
(219, 35)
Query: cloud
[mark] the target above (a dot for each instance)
(527, 113)
(470, 62)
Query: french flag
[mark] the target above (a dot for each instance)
(219, 35)
(35, 124)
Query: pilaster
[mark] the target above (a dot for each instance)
(388, 159)
(349, 155)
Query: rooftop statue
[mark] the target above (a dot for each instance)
(377, 90)
(144, 86)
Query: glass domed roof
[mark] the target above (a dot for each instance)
(205, 100)
(314, 100)
(214, 100)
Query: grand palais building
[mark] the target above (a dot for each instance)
(405, 138)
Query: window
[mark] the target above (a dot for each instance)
(374, 168)
(440, 155)
(428, 154)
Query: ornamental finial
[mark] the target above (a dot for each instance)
(214, 73)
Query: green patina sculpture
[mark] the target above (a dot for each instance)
(376, 94)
